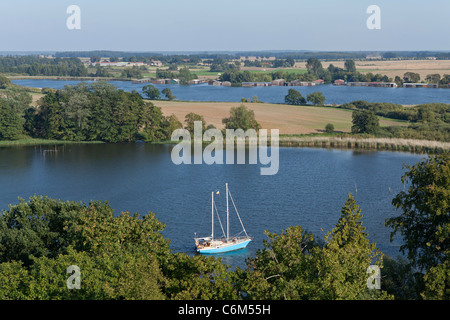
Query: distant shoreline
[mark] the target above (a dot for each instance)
(328, 142)
(69, 78)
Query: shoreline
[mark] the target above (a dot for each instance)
(237, 85)
(415, 146)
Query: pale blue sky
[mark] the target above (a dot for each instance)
(211, 25)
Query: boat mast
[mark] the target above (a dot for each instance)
(228, 222)
(212, 216)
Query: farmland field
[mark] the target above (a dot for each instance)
(288, 119)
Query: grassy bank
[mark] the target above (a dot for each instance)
(353, 143)
(382, 144)
(41, 142)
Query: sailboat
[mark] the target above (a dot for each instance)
(211, 245)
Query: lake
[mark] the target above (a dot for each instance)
(274, 94)
(309, 189)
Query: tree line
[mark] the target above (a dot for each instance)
(98, 112)
(84, 112)
(429, 121)
(39, 66)
(125, 256)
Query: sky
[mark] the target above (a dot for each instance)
(227, 25)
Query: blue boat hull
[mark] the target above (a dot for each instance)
(226, 248)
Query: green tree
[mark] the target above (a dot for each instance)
(316, 98)
(189, 120)
(168, 93)
(329, 128)
(293, 265)
(185, 75)
(11, 124)
(343, 262)
(4, 82)
(433, 78)
(241, 118)
(350, 66)
(314, 66)
(365, 122)
(411, 77)
(294, 97)
(424, 223)
(151, 92)
(283, 269)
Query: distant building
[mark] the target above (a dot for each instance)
(159, 81)
(420, 85)
(156, 63)
(372, 84)
(198, 81)
(339, 82)
(256, 84)
(278, 82)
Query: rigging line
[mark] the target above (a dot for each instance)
(218, 218)
(243, 228)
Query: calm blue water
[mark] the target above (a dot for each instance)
(333, 94)
(309, 189)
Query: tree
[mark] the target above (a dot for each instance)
(316, 98)
(290, 61)
(350, 66)
(425, 222)
(241, 118)
(329, 128)
(168, 93)
(411, 77)
(294, 265)
(185, 75)
(314, 66)
(4, 82)
(151, 92)
(365, 122)
(425, 219)
(433, 78)
(294, 97)
(190, 118)
(343, 262)
(11, 124)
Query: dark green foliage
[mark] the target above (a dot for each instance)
(424, 224)
(294, 265)
(151, 92)
(241, 118)
(294, 97)
(11, 124)
(316, 98)
(365, 122)
(190, 118)
(168, 93)
(36, 66)
(4, 82)
(97, 111)
(430, 121)
(425, 219)
(185, 75)
(329, 128)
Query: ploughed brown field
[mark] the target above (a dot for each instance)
(288, 119)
